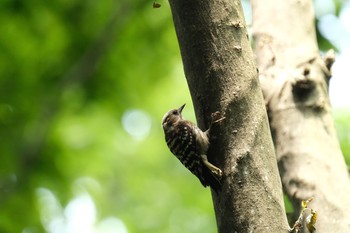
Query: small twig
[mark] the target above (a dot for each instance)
(309, 219)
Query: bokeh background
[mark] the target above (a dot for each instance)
(83, 88)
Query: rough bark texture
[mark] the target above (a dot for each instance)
(295, 84)
(222, 76)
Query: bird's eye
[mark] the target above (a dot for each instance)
(175, 112)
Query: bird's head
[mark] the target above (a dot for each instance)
(171, 117)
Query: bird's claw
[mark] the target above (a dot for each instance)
(216, 117)
(217, 172)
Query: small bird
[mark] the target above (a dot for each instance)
(190, 145)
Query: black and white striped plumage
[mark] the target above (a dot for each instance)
(190, 145)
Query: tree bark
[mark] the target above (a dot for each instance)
(295, 85)
(222, 76)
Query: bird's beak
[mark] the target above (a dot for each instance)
(181, 108)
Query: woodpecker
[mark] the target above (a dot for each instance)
(190, 145)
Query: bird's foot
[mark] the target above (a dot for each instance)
(216, 117)
(216, 172)
(213, 169)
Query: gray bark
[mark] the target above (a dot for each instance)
(222, 76)
(295, 84)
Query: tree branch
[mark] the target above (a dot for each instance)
(222, 76)
(295, 84)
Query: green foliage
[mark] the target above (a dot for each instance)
(341, 117)
(69, 73)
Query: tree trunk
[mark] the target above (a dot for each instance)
(295, 84)
(222, 76)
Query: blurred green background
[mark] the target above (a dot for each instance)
(83, 88)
